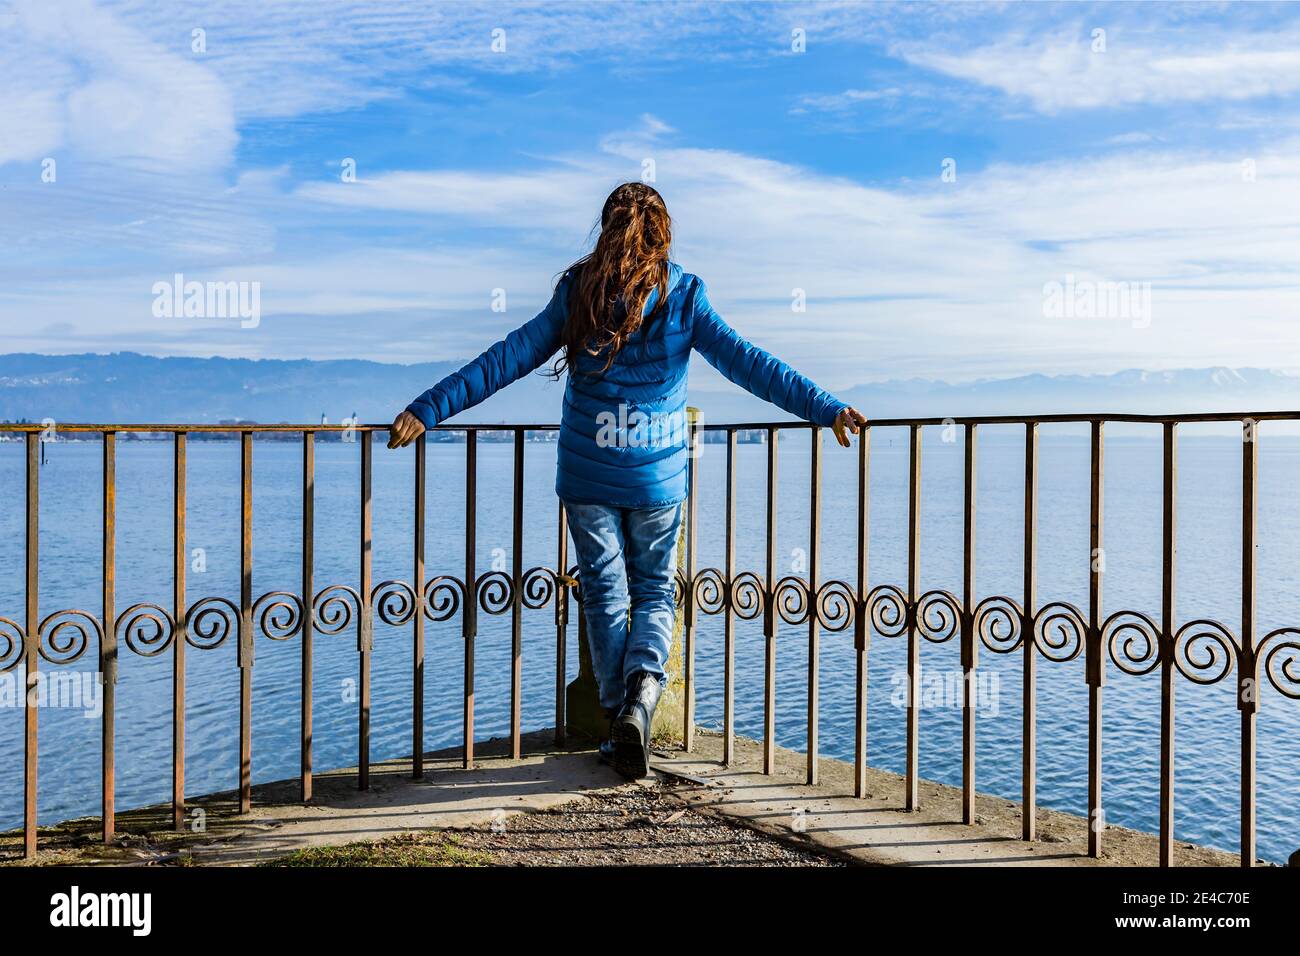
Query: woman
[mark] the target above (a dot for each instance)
(625, 319)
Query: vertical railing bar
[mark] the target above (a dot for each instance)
(969, 645)
(246, 623)
(769, 610)
(108, 641)
(729, 617)
(1029, 667)
(1169, 560)
(365, 622)
(31, 640)
(689, 621)
(469, 618)
(1096, 663)
(862, 623)
(517, 602)
(417, 619)
(814, 631)
(561, 620)
(179, 568)
(306, 667)
(911, 797)
(1247, 692)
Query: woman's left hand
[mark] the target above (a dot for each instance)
(848, 421)
(405, 429)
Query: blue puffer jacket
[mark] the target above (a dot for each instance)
(623, 434)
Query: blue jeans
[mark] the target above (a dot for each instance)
(627, 560)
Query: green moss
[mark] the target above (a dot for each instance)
(407, 849)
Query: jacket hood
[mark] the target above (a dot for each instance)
(675, 273)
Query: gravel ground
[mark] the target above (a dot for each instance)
(632, 826)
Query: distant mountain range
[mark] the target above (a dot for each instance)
(128, 387)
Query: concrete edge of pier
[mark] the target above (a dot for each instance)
(872, 830)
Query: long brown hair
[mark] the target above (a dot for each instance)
(612, 283)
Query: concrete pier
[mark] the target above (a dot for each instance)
(871, 831)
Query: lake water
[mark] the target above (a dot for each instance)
(1207, 778)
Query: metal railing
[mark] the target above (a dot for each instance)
(1203, 651)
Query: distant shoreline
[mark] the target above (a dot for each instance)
(542, 435)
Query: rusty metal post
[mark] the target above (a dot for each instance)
(517, 603)
(1169, 561)
(911, 799)
(245, 653)
(1096, 662)
(689, 621)
(1029, 672)
(769, 611)
(31, 640)
(729, 616)
(417, 618)
(561, 620)
(969, 646)
(814, 631)
(862, 623)
(108, 640)
(179, 567)
(306, 667)
(365, 622)
(469, 619)
(1247, 690)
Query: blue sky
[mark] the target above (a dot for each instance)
(1160, 153)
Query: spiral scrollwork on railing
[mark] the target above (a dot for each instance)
(146, 628)
(1133, 641)
(334, 607)
(938, 616)
(710, 591)
(208, 622)
(442, 597)
(1059, 629)
(680, 586)
(997, 622)
(887, 608)
(836, 605)
(496, 592)
(1279, 656)
(539, 587)
(278, 614)
(13, 644)
(792, 601)
(393, 601)
(65, 635)
(1204, 651)
(746, 595)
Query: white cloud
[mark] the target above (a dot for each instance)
(655, 126)
(545, 197)
(928, 278)
(1134, 138)
(555, 193)
(306, 56)
(925, 277)
(1062, 71)
(844, 100)
(80, 82)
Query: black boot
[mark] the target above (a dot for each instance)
(630, 731)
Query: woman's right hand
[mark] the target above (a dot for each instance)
(405, 429)
(847, 422)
